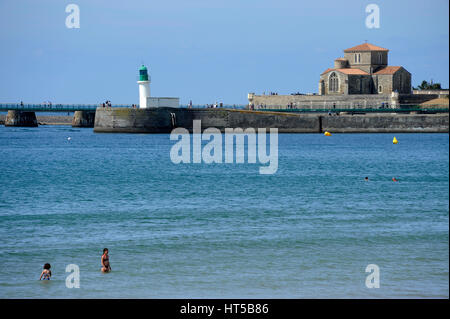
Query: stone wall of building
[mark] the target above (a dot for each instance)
(383, 83)
(369, 60)
(364, 63)
(375, 60)
(358, 83)
(402, 81)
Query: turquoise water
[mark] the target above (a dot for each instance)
(223, 230)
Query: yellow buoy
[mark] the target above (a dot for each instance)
(327, 133)
(394, 140)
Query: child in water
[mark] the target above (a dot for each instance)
(106, 267)
(46, 273)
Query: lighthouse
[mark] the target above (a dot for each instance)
(145, 101)
(144, 87)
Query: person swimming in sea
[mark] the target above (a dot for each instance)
(394, 179)
(46, 273)
(106, 267)
(366, 179)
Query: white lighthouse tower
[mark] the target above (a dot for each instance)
(144, 87)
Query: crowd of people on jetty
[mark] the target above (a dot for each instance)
(106, 104)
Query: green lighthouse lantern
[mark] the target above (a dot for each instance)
(143, 74)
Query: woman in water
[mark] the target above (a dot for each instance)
(106, 267)
(46, 273)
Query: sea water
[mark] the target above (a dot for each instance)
(223, 230)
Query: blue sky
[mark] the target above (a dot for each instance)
(204, 50)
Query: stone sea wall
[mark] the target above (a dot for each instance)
(344, 101)
(163, 120)
(386, 123)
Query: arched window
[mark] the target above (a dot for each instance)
(333, 83)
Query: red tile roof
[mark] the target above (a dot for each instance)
(326, 71)
(352, 71)
(388, 70)
(347, 71)
(365, 47)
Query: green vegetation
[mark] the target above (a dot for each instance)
(428, 86)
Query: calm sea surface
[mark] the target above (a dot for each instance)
(223, 230)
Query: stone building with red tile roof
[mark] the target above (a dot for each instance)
(364, 70)
(361, 79)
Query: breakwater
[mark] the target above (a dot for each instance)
(20, 118)
(163, 120)
(83, 119)
(47, 119)
(27, 119)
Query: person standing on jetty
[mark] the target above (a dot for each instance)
(106, 267)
